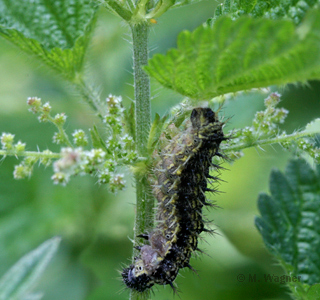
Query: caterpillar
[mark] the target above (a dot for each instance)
(182, 177)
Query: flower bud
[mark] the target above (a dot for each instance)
(80, 138)
(7, 140)
(60, 119)
(35, 104)
(20, 147)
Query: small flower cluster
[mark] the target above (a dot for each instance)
(45, 159)
(94, 162)
(37, 107)
(303, 145)
(58, 120)
(80, 138)
(67, 165)
(97, 162)
(119, 143)
(105, 169)
(7, 143)
(308, 145)
(265, 126)
(114, 110)
(102, 161)
(265, 123)
(25, 168)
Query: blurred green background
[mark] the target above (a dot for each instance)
(95, 225)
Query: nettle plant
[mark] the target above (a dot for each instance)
(245, 46)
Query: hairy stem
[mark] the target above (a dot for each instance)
(30, 154)
(91, 96)
(61, 131)
(144, 194)
(144, 200)
(268, 141)
(141, 86)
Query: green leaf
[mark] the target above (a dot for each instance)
(97, 140)
(314, 292)
(130, 125)
(313, 127)
(119, 8)
(19, 282)
(55, 31)
(141, 10)
(273, 9)
(179, 3)
(161, 7)
(239, 55)
(290, 223)
(155, 132)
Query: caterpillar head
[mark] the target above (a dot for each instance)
(205, 123)
(136, 277)
(202, 116)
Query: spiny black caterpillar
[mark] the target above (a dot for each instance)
(182, 176)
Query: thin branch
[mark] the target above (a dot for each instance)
(275, 140)
(30, 154)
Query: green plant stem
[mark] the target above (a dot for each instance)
(141, 86)
(30, 154)
(275, 140)
(61, 131)
(91, 96)
(241, 146)
(144, 198)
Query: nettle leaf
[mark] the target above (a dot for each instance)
(155, 132)
(239, 55)
(97, 140)
(56, 31)
(313, 292)
(18, 283)
(290, 223)
(132, 11)
(161, 6)
(130, 125)
(313, 127)
(179, 3)
(121, 9)
(294, 10)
